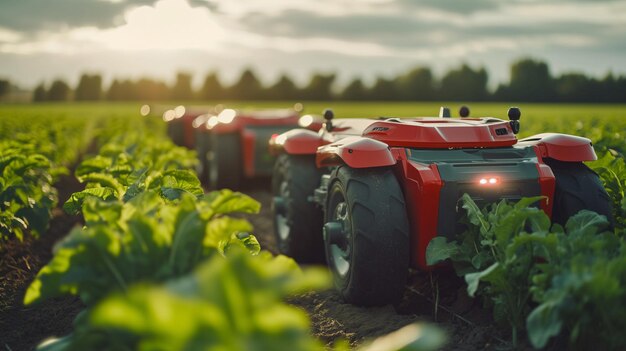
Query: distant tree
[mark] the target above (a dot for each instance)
(576, 87)
(39, 94)
(182, 88)
(612, 89)
(283, 89)
(59, 91)
(531, 81)
(248, 87)
(417, 85)
(89, 88)
(384, 90)
(319, 87)
(150, 89)
(464, 84)
(5, 87)
(212, 89)
(121, 90)
(355, 91)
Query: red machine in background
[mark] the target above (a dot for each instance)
(231, 144)
(368, 195)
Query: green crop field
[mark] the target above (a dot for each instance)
(157, 263)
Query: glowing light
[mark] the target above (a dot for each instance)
(298, 107)
(281, 139)
(212, 122)
(305, 121)
(227, 116)
(144, 110)
(180, 111)
(200, 120)
(489, 181)
(169, 115)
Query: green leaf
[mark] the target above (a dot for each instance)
(220, 231)
(74, 204)
(103, 180)
(473, 279)
(586, 221)
(226, 201)
(474, 214)
(177, 182)
(543, 323)
(97, 164)
(246, 240)
(413, 337)
(439, 250)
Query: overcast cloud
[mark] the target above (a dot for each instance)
(42, 39)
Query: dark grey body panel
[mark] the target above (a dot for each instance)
(461, 169)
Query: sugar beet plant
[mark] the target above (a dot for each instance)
(34, 152)
(26, 193)
(550, 281)
(147, 219)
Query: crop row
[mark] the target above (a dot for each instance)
(34, 153)
(162, 266)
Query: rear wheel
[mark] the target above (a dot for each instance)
(366, 235)
(577, 188)
(202, 149)
(225, 163)
(297, 220)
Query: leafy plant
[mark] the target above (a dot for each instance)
(144, 239)
(575, 276)
(26, 193)
(228, 303)
(581, 286)
(498, 249)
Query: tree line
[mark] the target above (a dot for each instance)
(530, 81)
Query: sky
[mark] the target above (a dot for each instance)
(41, 40)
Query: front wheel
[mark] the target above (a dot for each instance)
(577, 188)
(366, 235)
(225, 161)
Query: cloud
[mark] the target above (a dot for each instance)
(332, 34)
(38, 15)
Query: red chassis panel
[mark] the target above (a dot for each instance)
(356, 152)
(422, 185)
(562, 147)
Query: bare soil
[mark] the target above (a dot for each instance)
(21, 327)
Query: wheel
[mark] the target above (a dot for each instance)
(577, 188)
(366, 235)
(176, 133)
(202, 149)
(225, 163)
(297, 220)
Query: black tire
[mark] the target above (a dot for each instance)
(297, 220)
(225, 164)
(366, 235)
(577, 188)
(202, 141)
(176, 132)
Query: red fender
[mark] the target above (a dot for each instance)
(296, 142)
(562, 147)
(356, 152)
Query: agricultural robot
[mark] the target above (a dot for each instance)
(369, 195)
(232, 145)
